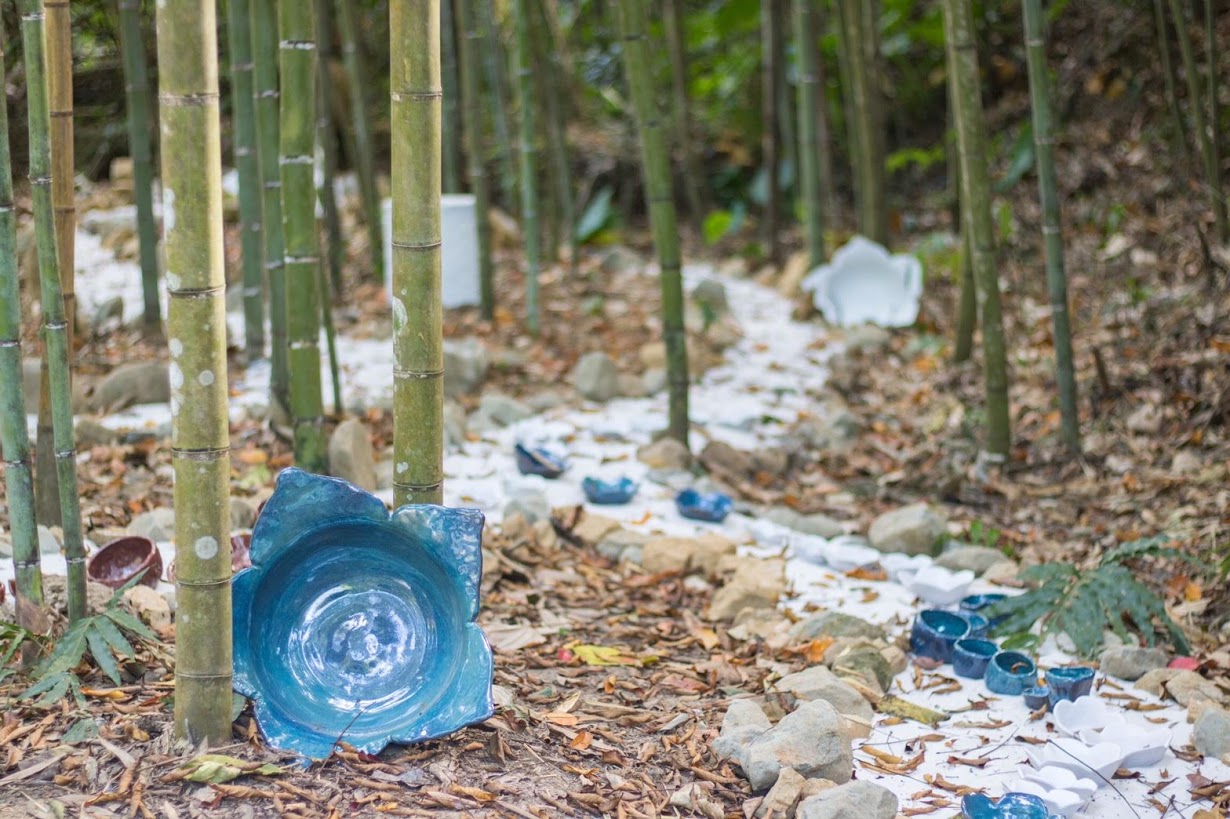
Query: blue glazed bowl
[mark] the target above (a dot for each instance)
(1036, 697)
(970, 657)
(357, 625)
(1010, 673)
(1009, 806)
(539, 461)
(608, 492)
(935, 632)
(708, 506)
(978, 625)
(1069, 683)
(978, 602)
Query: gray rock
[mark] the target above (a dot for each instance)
(49, 541)
(243, 513)
(916, 529)
(631, 385)
(1183, 686)
(833, 428)
(6, 545)
(834, 624)
(350, 454)
(654, 380)
(623, 544)
(454, 424)
(867, 337)
(818, 683)
(503, 410)
(782, 797)
(1131, 662)
(724, 459)
(384, 473)
(108, 316)
(545, 400)
(465, 366)
(869, 664)
(975, 558)
(143, 382)
(745, 721)
(619, 259)
(1145, 419)
(531, 504)
(1212, 732)
(860, 798)
(817, 524)
(596, 377)
(665, 453)
(810, 740)
(710, 294)
(677, 554)
(157, 524)
(757, 583)
(91, 433)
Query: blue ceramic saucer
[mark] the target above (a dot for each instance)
(357, 625)
(1009, 806)
(709, 506)
(608, 492)
(539, 461)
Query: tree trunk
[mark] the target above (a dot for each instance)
(471, 94)
(976, 214)
(326, 192)
(1178, 139)
(136, 87)
(809, 108)
(529, 196)
(655, 165)
(866, 129)
(555, 85)
(452, 118)
(967, 303)
(770, 140)
(297, 120)
(493, 63)
(1221, 226)
(693, 176)
(418, 332)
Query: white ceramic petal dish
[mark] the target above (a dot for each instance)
(1079, 758)
(1072, 717)
(1142, 747)
(1058, 801)
(1054, 778)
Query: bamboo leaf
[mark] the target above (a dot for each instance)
(101, 652)
(131, 624)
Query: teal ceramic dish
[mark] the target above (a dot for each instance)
(357, 625)
(935, 632)
(539, 461)
(970, 657)
(1036, 697)
(1010, 673)
(608, 493)
(1009, 806)
(707, 506)
(1069, 683)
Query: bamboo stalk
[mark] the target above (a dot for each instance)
(56, 338)
(809, 106)
(451, 142)
(1178, 139)
(693, 178)
(239, 41)
(267, 102)
(14, 441)
(1056, 276)
(1221, 226)
(967, 302)
(866, 137)
(356, 73)
(655, 168)
(59, 44)
(976, 214)
(418, 332)
(555, 84)
(297, 158)
(196, 324)
(471, 91)
(529, 196)
(493, 63)
(136, 89)
(326, 319)
(770, 140)
(326, 191)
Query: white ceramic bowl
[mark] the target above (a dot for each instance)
(1143, 747)
(1058, 801)
(1054, 778)
(901, 567)
(1079, 758)
(865, 283)
(1072, 717)
(846, 552)
(940, 587)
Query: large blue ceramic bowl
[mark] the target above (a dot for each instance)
(935, 632)
(357, 625)
(1009, 806)
(608, 492)
(708, 506)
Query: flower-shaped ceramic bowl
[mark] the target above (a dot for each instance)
(865, 283)
(123, 559)
(970, 657)
(1008, 806)
(1010, 673)
(901, 567)
(1069, 682)
(608, 493)
(1096, 762)
(1058, 801)
(539, 461)
(1143, 747)
(1071, 718)
(1049, 776)
(707, 506)
(357, 625)
(938, 586)
(935, 632)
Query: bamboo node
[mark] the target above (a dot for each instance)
(187, 100)
(417, 245)
(298, 45)
(402, 372)
(196, 292)
(205, 455)
(416, 96)
(418, 487)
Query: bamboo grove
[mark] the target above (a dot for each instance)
(483, 98)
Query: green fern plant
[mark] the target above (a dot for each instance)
(1083, 604)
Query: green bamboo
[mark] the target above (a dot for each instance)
(529, 197)
(976, 214)
(809, 107)
(1056, 276)
(770, 140)
(452, 117)
(136, 88)
(1178, 138)
(471, 82)
(967, 302)
(326, 140)
(326, 319)
(239, 41)
(364, 161)
(1208, 151)
(866, 134)
(1220, 223)
(196, 325)
(267, 98)
(56, 339)
(297, 159)
(676, 45)
(555, 81)
(655, 164)
(14, 442)
(493, 64)
(418, 331)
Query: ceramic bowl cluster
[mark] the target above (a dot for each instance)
(959, 637)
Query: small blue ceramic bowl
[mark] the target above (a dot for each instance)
(1010, 673)
(608, 492)
(1009, 806)
(980, 603)
(1069, 683)
(1036, 697)
(978, 625)
(708, 506)
(970, 657)
(935, 632)
(538, 461)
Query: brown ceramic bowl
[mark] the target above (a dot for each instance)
(122, 559)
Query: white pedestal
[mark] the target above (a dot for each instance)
(459, 263)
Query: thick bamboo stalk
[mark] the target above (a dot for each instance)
(809, 108)
(267, 102)
(967, 303)
(493, 64)
(14, 441)
(480, 185)
(326, 140)
(297, 158)
(1220, 223)
(770, 140)
(136, 89)
(364, 159)
(555, 84)
(1178, 138)
(56, 339)
(529, 196)
(1208, 152)
(196, 325)
(239, 41)
(655, 166)
(59, 43)
(866, 137)
(1056, 276)
(451, 142)
(976, 213)
(418, 332)
(676, 44)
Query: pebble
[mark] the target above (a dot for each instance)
(976, 559)
(862, 799)
(916, 529)
(834, 624)
(665, 453)
(596, 377)
(811, 740)
(350, 454)
(157, 524)
(1131, 662)
(1211, 735)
